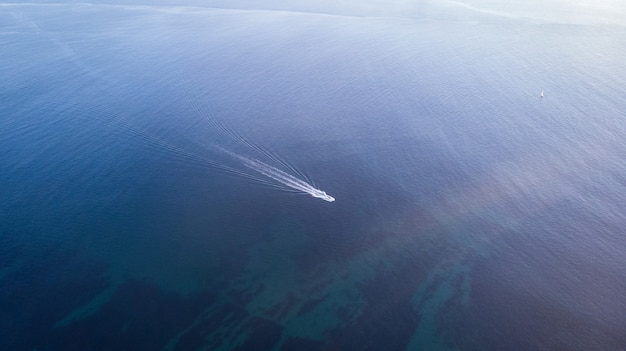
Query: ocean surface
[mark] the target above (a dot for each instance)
(470, 213)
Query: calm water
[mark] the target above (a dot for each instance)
(470, 213)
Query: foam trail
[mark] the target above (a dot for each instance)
(280, 176)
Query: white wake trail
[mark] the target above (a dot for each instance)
(280, 176)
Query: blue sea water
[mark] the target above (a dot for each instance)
(471, 214)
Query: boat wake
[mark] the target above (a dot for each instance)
(263, 172)
(279, 176)
(273, 173)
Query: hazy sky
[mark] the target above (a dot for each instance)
(552, 11)
(563, 11)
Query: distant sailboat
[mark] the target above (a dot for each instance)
(541, 96)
